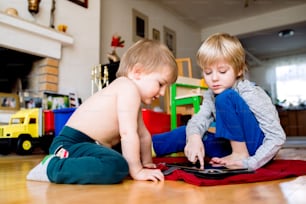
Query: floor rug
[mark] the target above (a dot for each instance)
(276, 169)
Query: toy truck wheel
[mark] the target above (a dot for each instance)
(24, 145)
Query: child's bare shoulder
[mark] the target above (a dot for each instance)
(123, 80)
(124, 83)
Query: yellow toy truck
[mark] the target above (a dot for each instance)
(27, 129)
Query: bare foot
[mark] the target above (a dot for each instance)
(232, 161)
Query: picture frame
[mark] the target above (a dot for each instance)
(155, 34)
(140, 25)
(83, 3)
(170, 39)
(32, 102)
(53, 101)
(9, 102)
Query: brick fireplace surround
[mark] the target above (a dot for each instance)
(44, 76)
(31, 38)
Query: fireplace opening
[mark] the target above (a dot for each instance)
(15, 68)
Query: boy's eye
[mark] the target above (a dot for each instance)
(207, 72)
(223, 70)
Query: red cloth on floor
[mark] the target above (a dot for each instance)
(170, 160)
(277, 169)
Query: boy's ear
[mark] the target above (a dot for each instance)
(239, 73)
(137, 70)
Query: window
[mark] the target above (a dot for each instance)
(17, 120)
(290, 85)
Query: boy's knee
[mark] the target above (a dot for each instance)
(226, 97)
(225, 94)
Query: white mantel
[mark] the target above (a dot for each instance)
(24, 36)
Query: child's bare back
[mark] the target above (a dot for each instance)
(96, 117)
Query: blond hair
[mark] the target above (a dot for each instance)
(222, 46)
(151, 54)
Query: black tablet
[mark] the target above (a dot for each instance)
(209, 172)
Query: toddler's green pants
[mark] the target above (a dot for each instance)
(87, 163)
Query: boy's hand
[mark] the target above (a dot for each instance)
(194, 150)
(149, 174)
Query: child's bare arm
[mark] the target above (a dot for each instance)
(128, 106)
(145, 143)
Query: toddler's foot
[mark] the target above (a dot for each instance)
(39, 173)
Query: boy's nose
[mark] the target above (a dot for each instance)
(214, 76)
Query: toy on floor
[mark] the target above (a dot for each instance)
(26, 129)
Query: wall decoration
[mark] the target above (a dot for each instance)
(116, 42)
(83, 3)
(9, 101)
(156, 34)
(170, 39)
(32, 102)
(52, 101)
(62, 28)
(52, 14)
(33, 6)
(140, 25)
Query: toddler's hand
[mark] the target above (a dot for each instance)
(149, 175)
(149, 165)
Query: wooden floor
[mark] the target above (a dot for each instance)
(15, 189)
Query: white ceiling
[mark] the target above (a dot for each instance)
(206, 13)
(261, 45)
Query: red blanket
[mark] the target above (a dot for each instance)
(277, 169)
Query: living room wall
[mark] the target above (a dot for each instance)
(116, 18)
(92, 29)
(83, 25)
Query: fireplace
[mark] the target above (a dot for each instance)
(15, 69)
(29, 55)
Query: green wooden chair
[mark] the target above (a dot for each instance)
(194, 99)
(186, 91)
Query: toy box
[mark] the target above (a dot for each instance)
(157, 122)
(61, 116)
(49, 120)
